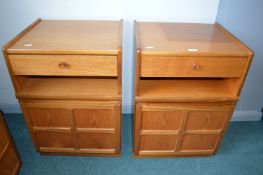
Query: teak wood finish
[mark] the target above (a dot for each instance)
(10, 161)
(188, 80)
(67, 77)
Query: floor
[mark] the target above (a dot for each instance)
(241, 153)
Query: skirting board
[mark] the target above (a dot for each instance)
(10, 108)
(128, 109)
(246, 116)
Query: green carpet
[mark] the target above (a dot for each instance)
(241, 153)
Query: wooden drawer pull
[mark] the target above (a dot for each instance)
(196, 66)
(63, 65)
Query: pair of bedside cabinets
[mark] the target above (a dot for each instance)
(67, 76)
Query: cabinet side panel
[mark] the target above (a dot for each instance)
(137, 128)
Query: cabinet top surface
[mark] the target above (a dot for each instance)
(185, 39)
(71, 36)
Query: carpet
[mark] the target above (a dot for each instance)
(240, 153)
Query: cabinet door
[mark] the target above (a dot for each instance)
(50, 125)
(156, 129)
(74, 126)
(98, 127)
(179, 129)
(9, 159)
(204, 129)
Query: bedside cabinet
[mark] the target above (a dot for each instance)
(67, 77)
(10, 162)
(188, 80)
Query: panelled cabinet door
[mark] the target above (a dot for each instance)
(204, 128)
(175, 129)
(98, 128)
(79, 127)
(50, 126)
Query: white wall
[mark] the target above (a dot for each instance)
(15, 15)
(244, 19)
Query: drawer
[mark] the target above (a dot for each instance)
(159, 66)
(65, 65)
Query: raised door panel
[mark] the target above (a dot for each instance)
(206, 120)
(199, 142)
(50, 117)
(94, 118)
(54, 139)
(98, 127)
(158, 142)
(96, 140)
(161, 120)
(9, 164)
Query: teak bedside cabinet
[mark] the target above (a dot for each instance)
(67, 77)
(10, 161)
(188, 80)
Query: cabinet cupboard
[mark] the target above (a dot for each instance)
(83, 127)
(177, 129)
(67, 77)
(188, 80)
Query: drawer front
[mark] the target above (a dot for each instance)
(153, 66)
(65, 65)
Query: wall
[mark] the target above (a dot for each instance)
(15, 15)
(243, 18)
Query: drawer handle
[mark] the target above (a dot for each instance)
(196, 66)
(63, 65)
